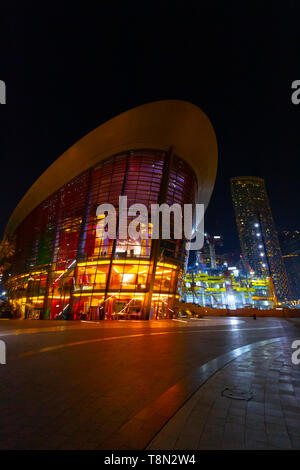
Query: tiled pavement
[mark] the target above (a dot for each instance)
(85, 387)
(270, 420)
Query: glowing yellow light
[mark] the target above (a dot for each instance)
(165, 265)
(62, 297)
(94, 263)
(162, 272)
(155, 296)
(134, 262)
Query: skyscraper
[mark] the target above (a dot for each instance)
(257, 233)
(290, 247)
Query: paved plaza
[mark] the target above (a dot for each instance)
(269, 420)
(155, 385)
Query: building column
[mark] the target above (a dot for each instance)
(155, 244)
(114, 244)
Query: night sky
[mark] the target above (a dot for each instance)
(68, 70)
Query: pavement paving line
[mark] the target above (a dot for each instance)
(34, 330)
(151, 419)
(224, 360)
(112, 338)
(59, 329)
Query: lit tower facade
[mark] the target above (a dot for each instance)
(257, 233)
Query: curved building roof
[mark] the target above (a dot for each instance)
(157, 125)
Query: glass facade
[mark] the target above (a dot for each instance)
(290, 247)
(257, 233)
(63, 269)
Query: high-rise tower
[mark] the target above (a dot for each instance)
(257, 233)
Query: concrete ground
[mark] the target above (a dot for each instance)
(133, 385)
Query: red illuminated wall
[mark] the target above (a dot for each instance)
(59, 236)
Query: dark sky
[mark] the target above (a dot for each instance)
(68, 70)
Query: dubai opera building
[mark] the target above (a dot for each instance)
(161, 152)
